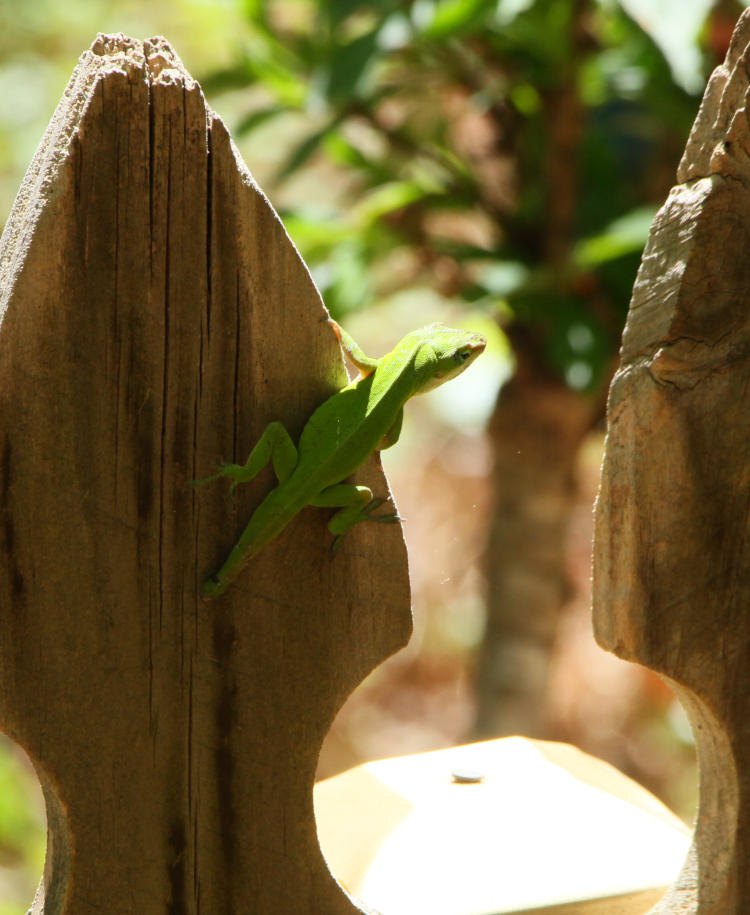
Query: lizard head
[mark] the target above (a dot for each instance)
(444, 353)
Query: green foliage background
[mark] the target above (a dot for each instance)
(441, 117)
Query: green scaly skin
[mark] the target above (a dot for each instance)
(341, 434)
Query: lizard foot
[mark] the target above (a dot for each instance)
(366, 515)
(237, 473)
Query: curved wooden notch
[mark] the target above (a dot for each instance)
(672, 551)
(155, 317)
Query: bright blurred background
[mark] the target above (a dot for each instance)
(493, 164)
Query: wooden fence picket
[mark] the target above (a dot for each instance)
(672, 551)
(155, 316)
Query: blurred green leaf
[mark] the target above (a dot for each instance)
(265, 62)
(342, 152)
(344, 278)
(315, 232)
(387, 198)
(262, 116)
(338, 11)
(450, 17)
(348, 66)
(301, 153)
(624, 235)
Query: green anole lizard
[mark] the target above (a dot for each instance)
(341, 434)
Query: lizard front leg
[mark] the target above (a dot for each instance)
(353, 351)
(355, 504)
(275, 445)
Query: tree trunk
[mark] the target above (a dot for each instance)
(537, 429)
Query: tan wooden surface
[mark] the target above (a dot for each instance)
(548, 829)
(672, 554)
(155, 316)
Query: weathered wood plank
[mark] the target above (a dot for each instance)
(672, 552)
(155, 316)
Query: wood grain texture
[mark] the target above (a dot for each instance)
(672, 552)
(155, 317)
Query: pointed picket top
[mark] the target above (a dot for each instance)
(155, 317)
(672, 552)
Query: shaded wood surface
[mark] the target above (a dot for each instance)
(155, 317)
(672, 552)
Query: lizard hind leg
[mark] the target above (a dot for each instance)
(355, 504)
(274, 445)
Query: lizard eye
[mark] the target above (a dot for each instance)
(462, 355)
